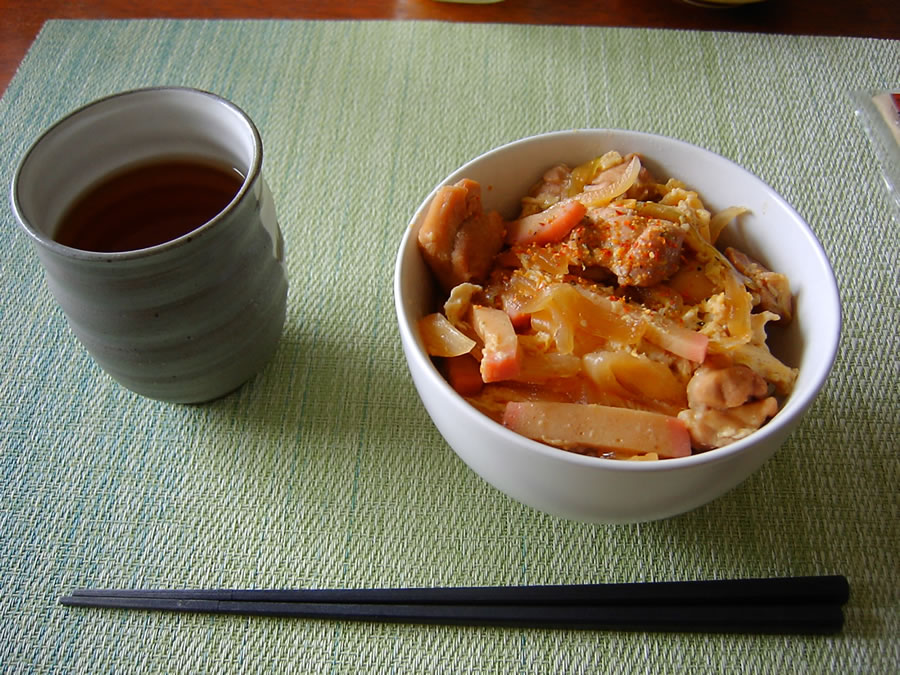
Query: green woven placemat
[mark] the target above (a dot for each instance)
(325, 470)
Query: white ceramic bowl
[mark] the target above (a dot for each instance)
(604, 490)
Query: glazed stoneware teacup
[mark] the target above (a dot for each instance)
(159, 240)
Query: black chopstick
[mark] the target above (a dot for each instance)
(783, 590)
(801, 618)
(780, 605)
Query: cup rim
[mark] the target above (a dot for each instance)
(51, 244)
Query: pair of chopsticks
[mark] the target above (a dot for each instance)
(778, 605)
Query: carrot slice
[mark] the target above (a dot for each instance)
(502, 359)
(550, 225)
(464, 375)
(681, 341)
(599, 427)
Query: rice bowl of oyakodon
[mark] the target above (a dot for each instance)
(613, 326)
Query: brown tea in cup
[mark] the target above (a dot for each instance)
(148, 204)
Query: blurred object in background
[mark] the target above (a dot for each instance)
(718, 4)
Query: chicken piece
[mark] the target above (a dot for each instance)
(774, 289)
(458, 239)
(640, 251)
(727, 402)
(710, 428)
(547, 191)
(724, 388)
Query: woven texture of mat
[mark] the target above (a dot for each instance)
(325, 471)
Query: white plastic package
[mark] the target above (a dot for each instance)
(879, 114)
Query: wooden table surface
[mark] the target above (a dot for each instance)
(20, 20)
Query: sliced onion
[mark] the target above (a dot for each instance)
(601, 195)
(442, 338)
(457, 305)
(740, 304)
(718, 222)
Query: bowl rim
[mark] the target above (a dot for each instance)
(793, 408)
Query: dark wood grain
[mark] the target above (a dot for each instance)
(20, 20)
